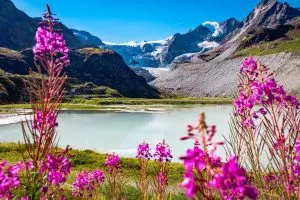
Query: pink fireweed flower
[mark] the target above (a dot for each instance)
(9, 179)
(199, 159)
(297, 158)
(24, 198)
(143, 151)
(249, 66)
(57, 169)
(232, 182)
(163, 152)
(44, 120)
(189, 184)
(196, 161)
(112, 162)
(50, 43)
(263, 91)
(86, 182)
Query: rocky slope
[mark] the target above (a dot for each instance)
(220, 78)
(100, 67)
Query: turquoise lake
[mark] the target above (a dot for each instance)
(121, 132)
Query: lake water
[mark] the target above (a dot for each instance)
(121, 132)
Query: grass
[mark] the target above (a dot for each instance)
(142, 101)
(270, 48)
(90, 160)
(104, 103)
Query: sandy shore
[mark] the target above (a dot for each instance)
(18, 116)
(12, 118)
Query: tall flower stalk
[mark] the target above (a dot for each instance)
(114, 177)
(265, 127)
(46, 94)
(163, 157)
(143, 155)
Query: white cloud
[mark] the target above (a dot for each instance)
(216, 26)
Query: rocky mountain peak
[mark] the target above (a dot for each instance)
(229, 26)
(266, 2)
(269, 13)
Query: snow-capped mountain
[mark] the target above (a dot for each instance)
(160, 53)
(141, 54)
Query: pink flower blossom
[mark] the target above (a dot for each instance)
(297, 158)
(9, 179)
(86, 182)
(112, 162)
(189, 184)
(57, 168)
(163, 152)
(44, 120)
(197, 159)
(263, 91)
(232, 182)
(143, 151)
(50, 43)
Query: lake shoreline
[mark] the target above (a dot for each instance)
(14, 113)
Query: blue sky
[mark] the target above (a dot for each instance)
(122, 21)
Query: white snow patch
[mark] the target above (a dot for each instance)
(140, 44)
(156, 72)
(208, 45)
(216, 26)
(130, 43)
